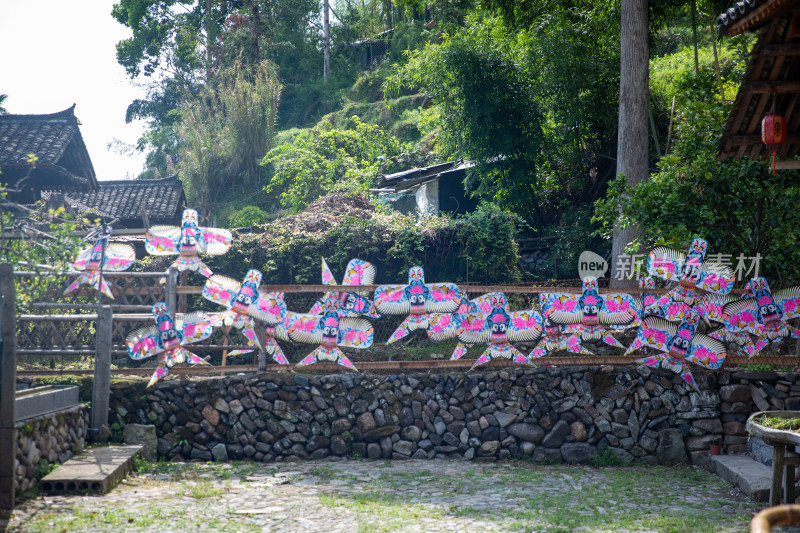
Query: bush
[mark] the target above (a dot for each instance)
(248, 216)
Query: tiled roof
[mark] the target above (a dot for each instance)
(124, 199)
(55, 139)
(416, 176)
(748, 15)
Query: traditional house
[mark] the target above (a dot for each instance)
(55, 141)
(427, 190)
(134, 204)
(771, 83)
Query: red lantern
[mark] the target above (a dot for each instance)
(773, 133)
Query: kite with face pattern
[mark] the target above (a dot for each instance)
(168, 338)
(678, 344)
(446, 326)
(763, 314)
(351, 303)
(418, 299)
(245, 302)
(188, 241)
(690, 271)
(499, 328)
(583, 317)
(330, 330)
(114, 257)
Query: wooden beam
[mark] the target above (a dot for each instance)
(8, 386)
(777, 87)
(748, 140)
(783, 49)
(792, 164)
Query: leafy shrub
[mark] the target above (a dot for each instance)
(479, 247)
(248, 216)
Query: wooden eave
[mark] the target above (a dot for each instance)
(758, 16)
(772, 80)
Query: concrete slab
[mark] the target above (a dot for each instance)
(94, 470)
(753, 478)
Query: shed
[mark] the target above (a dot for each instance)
(771, 81)
(56, 141)
(427, 190)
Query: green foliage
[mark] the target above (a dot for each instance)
(479, 247)
(605, 458)
(326, 159)
(226, 130)
(738, 206)
(248, 216)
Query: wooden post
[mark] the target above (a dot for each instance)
(172, 294)
(8, 387)
(261, 335)
(776, 493)
(182, 297)
(101, 388)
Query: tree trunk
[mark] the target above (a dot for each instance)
(632, 144)
(326, 28)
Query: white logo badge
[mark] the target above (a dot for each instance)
(591, 264)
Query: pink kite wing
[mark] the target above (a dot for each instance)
(444, 298)
(618, 310)
(561, 308)
(355, 333)
(664, 262)
(484, 303)
(327, 275)
(741, 315)
(525, 326)
(359, 272)
(119, 257)
(459, 352)
(319, 306)
(391, 300)
(706, 352)
(162, 240)
(268, 308)
(716, 278)
(789, 301)
(141, 343)
(442, 326)
(710, 306)
(194, 326)
(304, 328)
(221, 290)
(474, 329)
(82, 259)
(214, 241)
(654, 332)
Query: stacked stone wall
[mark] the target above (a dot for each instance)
(45, 441)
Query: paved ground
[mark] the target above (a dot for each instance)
(421, 496)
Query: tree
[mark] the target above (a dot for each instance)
(3, 98)
(632, 143)
(226, 130)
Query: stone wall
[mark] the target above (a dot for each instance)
(547, 414)
(47, 440)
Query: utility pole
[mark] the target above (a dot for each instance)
(326, 46)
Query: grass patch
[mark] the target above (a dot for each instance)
(205, 489)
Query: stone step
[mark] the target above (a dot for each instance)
(94, 470)
(753, 478)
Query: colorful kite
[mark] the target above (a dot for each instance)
(418, 299)
(330, 330)
(168, 338)
(351, 303)
(763, 314)
(446, 326)
(690, 271)
(187, 242)
(585, 316)
(678, 345)
(114, 257)
(499, 328)
(246, 302)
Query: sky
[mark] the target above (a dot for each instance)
(54, 53)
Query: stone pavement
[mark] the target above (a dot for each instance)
(360, 495)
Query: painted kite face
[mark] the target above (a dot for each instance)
(498, 322)
(757, 285)
(253, 277)
(499, 300)
(590, 284)
(698, 248)
(190, 217)
(97, 253)
(681, 345)
(416, 274)
(348, 301)
(417, 293)
(690, 270)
